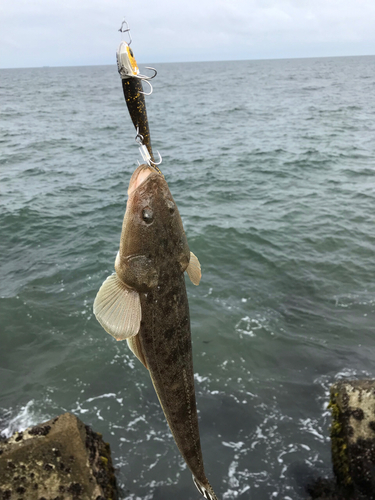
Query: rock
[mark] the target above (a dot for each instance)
(353, 438)
(61, 459)
(324, 489)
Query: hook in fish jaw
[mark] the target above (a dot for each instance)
(147, 158)
(154, 164)
(146, 155)
(127, 30)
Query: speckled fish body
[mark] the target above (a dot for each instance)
(165, 341)
(132, 88)
(153, 256)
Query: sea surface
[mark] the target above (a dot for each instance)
(272, 166)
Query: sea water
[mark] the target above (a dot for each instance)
(272, 166)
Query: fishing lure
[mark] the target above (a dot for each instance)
(134, 96)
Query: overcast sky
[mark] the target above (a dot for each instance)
(84, 32)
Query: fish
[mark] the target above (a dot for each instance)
(134, 95)
(145, 302)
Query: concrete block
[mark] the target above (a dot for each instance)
(62, 459)
(353, 437)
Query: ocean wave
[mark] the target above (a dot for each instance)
(273, 182)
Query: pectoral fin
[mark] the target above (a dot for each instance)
(194, 269)
(118, 308)
(135, 346)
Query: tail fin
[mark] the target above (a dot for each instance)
(205, 490)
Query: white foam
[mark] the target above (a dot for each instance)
(141, 418)
(199, 378)
(235, 446)
(310, 426)
(233, 481)
(247, 326)
(26, 417)
(109, 395)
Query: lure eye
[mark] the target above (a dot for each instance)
(147, 215)
(171, 207)
(131, 52)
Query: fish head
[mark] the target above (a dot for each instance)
(126, 63)
(153, 239)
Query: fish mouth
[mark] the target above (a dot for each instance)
(139, 176)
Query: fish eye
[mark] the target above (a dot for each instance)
(171, 207)
(147, 215)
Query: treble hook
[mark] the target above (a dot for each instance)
(146, 81)
(145, 77)
(147, 158)
(126, 31)
(153, 69)
(139, 138)
(159, 162)
(146, 155)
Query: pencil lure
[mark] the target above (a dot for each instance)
(134, 96)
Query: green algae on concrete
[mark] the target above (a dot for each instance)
(353, 437)
(60, 459)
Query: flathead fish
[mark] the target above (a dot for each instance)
(145, 302)
(133, 93)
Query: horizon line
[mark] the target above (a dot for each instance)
(194, 62)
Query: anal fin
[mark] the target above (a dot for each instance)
(136, 348)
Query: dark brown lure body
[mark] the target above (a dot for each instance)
(136, 103)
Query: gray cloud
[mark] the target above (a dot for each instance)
(45, 32)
